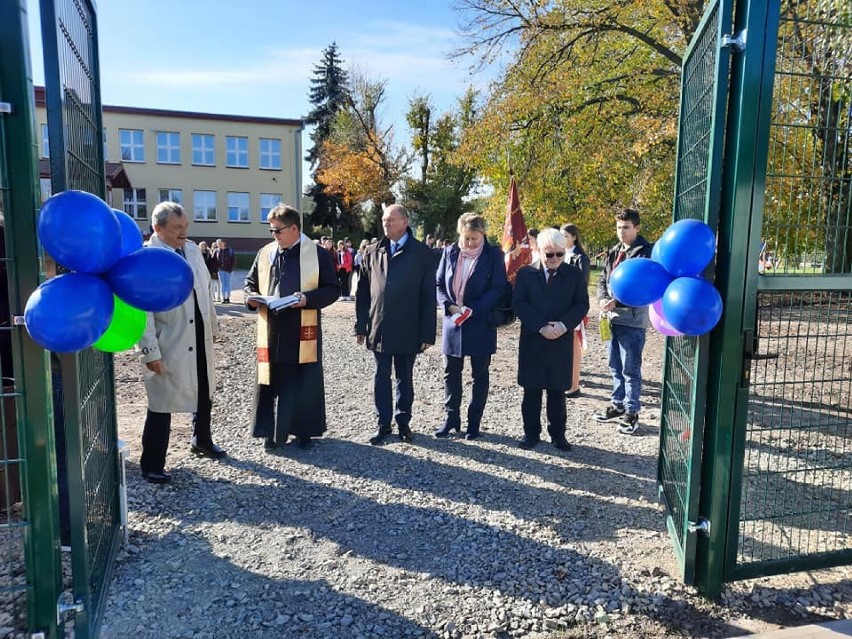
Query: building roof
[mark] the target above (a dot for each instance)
(192, 115)
(116, 176)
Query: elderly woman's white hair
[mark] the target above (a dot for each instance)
(551, 237)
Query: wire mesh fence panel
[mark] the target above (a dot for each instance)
(77, 162)
(807, 223)
(795, 497)
(797, 474)
(697, 189)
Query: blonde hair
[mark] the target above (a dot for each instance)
(471, 222)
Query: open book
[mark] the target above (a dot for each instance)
(273, 302)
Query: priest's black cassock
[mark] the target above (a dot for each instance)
(298, 388)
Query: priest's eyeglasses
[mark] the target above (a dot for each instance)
(277, 230)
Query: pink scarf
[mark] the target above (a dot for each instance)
(464, 267)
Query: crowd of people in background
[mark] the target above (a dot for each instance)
(396, 283)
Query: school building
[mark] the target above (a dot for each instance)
(227, 171)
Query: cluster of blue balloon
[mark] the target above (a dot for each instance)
(102, 303)
(681, 301)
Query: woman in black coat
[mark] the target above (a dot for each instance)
(471, 281)
(576, 256)
(550, 299)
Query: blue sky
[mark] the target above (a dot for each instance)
(203, 55)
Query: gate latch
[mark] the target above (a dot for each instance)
(702, 526)
(64, 610)
(736, 42)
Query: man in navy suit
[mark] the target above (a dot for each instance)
(550, 299)
(395, 317)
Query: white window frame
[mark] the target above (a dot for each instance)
(171, 195)
(136, 203)
(269, 198)
(168, 143)
(200, 214)
(199, 145)
(239, 207)
(270, 153)
(45, 142)
(135, 145)
(236, 152)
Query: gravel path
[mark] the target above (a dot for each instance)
(439, 538)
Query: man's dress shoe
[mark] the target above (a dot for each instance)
(156, 477)
(212, 451)
(380, 436)
(527, 443)
(405, 434)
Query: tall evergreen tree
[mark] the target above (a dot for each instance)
(329, 94)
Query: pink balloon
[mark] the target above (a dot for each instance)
(658, 321)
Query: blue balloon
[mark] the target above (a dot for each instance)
(69, 312)
(80, 231)
(686, 248)
(639, 281)
(692, 305)
(131, 236)
(655, 252)
(154, 279)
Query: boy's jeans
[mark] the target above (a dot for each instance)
(625, 364)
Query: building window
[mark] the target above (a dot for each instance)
(238, 207)
(46, 188)
(171, 195)
(237, 151)
(106, 154)
(132, 145)
(203, 151)
(270, 153)
(204, 205)
(268, 201)
(135, 204)
(45, 142)
(168, 147)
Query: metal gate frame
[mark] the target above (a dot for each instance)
(72, 89)
(731, 345)
(701, 128)
(40, 516)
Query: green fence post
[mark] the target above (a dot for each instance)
(31, 363)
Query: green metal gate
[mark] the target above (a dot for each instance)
(69, 33)
(697, 191)
(30, 579)
(775, 478)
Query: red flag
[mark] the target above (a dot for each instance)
(516, 246)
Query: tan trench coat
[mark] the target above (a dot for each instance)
(170, 336)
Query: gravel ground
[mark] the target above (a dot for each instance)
(439, 538)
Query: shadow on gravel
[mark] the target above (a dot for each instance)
(237, 603)
(567, 514)
(438, 544)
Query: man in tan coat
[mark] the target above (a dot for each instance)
(177, 351)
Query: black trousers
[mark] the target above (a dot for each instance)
(453, 367)
(556, 413)
(403, 366)
(155, 436)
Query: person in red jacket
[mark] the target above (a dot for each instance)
(343, 260)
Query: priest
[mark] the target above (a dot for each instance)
(290, 393)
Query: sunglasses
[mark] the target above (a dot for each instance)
(277, 231)
(549, 255)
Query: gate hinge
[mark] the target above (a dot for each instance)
(702, 526)
(64, 610)
(5, 108)
(737, 42)
(19, 320)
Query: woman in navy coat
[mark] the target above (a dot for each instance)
(471, 282)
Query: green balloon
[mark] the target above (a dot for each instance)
(125, 329)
